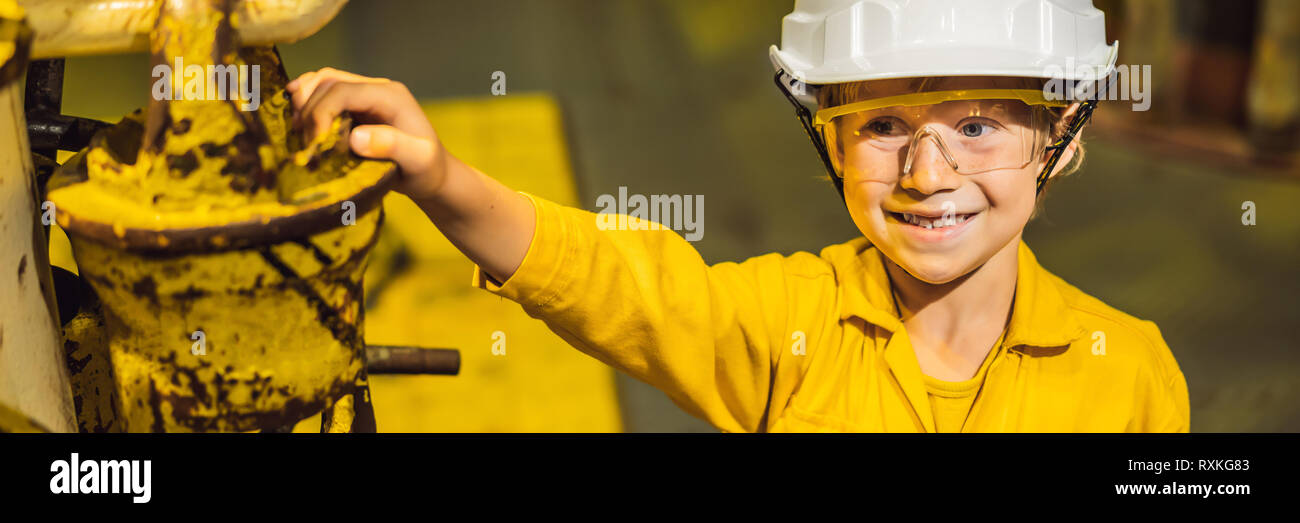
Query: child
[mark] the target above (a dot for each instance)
(935, 127)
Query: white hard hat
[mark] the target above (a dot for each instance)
(835, 41)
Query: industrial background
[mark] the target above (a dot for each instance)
(676, 97)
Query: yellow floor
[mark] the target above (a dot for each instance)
(540, 383)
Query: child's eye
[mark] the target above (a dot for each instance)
(975, 129)
(882, 127)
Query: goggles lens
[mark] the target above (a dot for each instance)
(882, 138)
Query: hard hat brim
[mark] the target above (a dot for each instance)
(947, 62)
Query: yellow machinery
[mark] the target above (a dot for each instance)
(223, 253)
(33, 380)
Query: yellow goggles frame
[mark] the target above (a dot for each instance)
(1028, 96)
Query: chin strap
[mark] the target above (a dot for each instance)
(1058, 149)
(806, 118)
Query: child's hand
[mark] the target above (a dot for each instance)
(395, 127)
(492, 224)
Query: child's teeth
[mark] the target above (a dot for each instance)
(932, 223)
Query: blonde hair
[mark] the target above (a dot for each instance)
(832, 95)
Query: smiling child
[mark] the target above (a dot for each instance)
(934, 125)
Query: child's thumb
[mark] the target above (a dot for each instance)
(413, 155)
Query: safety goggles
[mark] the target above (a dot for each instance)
(973, 131)
(816, 134)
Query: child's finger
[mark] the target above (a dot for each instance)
(374, 102)
(302, 87)
(413, 154)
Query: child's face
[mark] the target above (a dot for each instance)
(987, 210)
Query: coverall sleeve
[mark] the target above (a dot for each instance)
(645, 302)
(1166, 408)
(1163, 404)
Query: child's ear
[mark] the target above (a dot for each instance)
(1066, 117)
(836, 154)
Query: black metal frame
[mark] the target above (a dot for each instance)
(47, 128)
(1058, 148)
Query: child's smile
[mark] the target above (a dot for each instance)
(939, 226)
(930, 226)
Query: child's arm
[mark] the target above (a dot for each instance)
(644, 301)
(486, 220)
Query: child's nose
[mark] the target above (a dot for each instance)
(929, 170)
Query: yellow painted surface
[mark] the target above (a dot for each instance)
(60, 247)
(277, 327)
(268, 353)
(10, 11)
(540, 383)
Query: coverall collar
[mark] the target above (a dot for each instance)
(1040, 316)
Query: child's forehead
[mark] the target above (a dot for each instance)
(857, 91)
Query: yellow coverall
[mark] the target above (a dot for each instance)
(812, 343)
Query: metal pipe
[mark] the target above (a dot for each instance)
(388, 359)
(47, 128)
(85, 27)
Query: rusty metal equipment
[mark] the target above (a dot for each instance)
(33, 381)
(220, 253)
